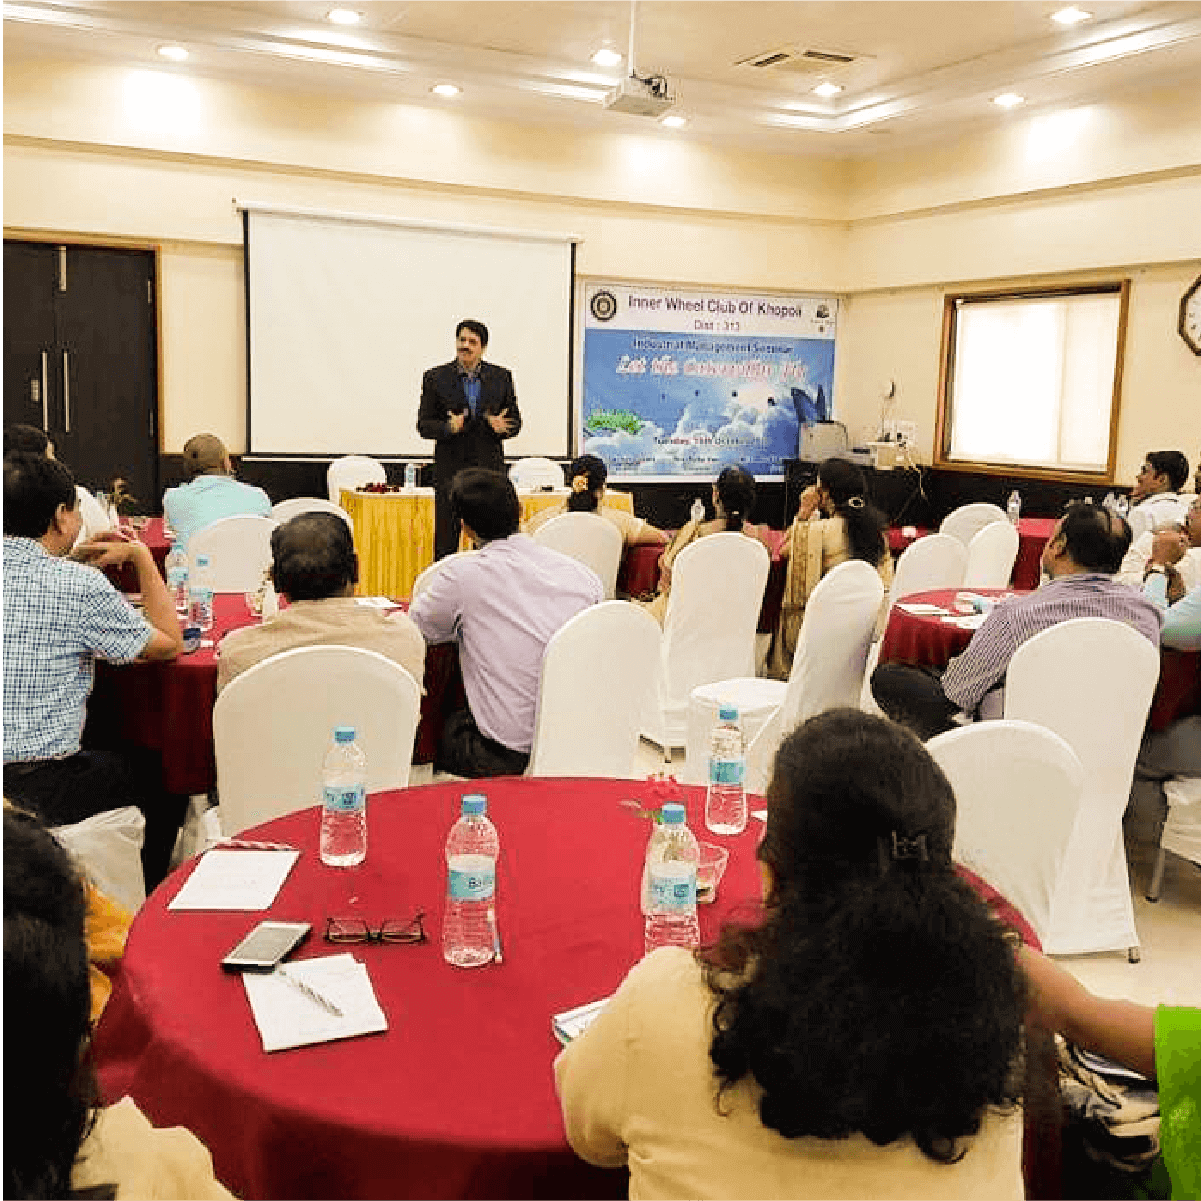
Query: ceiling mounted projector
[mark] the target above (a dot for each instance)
(640, 97)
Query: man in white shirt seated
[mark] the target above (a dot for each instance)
(315, 568)
(1167, 588)
(1175, 546)
(211, 491)
(502, 604)
(1154, 498)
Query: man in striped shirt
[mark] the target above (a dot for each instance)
(1081, 558)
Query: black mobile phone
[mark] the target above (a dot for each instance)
(265, 946)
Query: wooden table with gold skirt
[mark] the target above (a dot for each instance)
(394, 533)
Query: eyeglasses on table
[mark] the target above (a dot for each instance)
(392, 930)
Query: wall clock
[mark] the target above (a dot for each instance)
(1190, 317)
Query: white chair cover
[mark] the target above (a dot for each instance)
(422, 582)
(353, 471)
(991, 555)
(1017, 788)
(935, 561)
(1181, 831)
(536, 474)
(273, 724)
(588, 538)
(238, 549)
(967, 521)
(709, 629)
(827, 671)
(1090, 680)
(108, 846)
(287, 509)
(596, 678)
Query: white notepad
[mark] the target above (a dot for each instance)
(287, 1018)
(239, 879)
(920, 608)
(574, 1022)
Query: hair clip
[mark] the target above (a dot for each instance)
(897, 849)
(856, 502)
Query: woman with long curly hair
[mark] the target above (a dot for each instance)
(862, 1040)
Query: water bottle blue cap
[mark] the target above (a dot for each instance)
(474, 804)
(673, 814)
(344, 733)
(202, 560)
(728, 713)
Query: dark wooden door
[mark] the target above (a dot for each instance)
(100, 359)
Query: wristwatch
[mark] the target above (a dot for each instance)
(1155, 569)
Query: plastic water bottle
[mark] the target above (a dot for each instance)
(1014, 507)
(671, 869)
(410, 476)
(1122, 506)
(200, 609)
(697, 512)
(176, 569)
(469, 936)
(344, 801)
(725, 802)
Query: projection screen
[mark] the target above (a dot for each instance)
(345, 313)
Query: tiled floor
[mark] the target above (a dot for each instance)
(1169, 930)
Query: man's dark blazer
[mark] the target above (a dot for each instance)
(476, 445)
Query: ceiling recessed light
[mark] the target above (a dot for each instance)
(606, 56)
(1009, 99)
(446, 89)
(175, 53)
(1071, 16)
(673, 121)
(343, 16)
(828, 89)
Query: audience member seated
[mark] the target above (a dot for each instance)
(733, 499)
(59, 617)
(586, 477)
(211, 491)
(501, 605)
(835, 522)
(1154, 497)
(1081, 557)
(863, 1040)
(1137, 562)
(1161, 1043)
(1166, 586)
(29, 438)
(315, 568)
(57, 1143)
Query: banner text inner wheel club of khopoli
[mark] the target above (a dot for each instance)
(683, 383)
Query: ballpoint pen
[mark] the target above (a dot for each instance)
(497, 956)
(307, 989)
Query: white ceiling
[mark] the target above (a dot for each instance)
(920, 69)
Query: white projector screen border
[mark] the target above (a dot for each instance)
(344, 312)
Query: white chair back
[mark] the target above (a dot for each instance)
(273, 724)
(1090, 680)
(287, 509)
(935, 561)
(353, 471)
(709, 629)
(596, 677)
(1017, 788)
(426, 575)
(108, 846)
(536, 474)
(588, 538)
(991, 555)
(967, 521)
(238, 549)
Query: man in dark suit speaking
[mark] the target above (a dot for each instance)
(468, 407)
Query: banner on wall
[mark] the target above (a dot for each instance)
(681, 382)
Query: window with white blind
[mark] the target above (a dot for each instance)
(1031, 380)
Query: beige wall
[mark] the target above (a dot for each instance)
(92, 150)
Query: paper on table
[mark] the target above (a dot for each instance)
(235, 880)
(376, 602)
(973, 621)
(920, 608)
(573, 1023)
(287, 1018)
(761, 814)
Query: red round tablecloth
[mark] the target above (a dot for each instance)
(1033, 535)
(927, 641)
(457, 1098)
